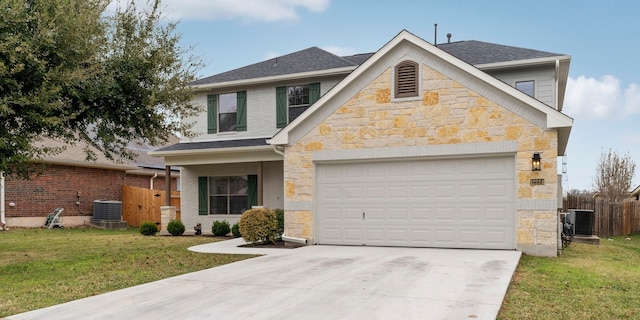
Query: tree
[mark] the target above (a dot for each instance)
(71, 70)
(614, 174)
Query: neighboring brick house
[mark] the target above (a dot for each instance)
(70, 182)
(451, 146)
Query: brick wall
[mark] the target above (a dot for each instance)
(59, 186)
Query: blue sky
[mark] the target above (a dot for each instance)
(603, 94)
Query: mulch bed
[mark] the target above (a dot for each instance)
(278, 245)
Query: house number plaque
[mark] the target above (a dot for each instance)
(537, 182)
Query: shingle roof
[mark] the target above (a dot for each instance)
(311, 59)
(315, 59)
(478, 52)
(184, 146)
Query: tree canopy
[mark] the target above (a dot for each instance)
(72, 70)
(614, 175)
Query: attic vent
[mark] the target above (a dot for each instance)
(406, 79)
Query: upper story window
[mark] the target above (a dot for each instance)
(527, 87)
(227, 112)
(298, 100)
(292, 101)
(406, 79)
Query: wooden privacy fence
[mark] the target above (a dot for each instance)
(140, 204)
(611, 218)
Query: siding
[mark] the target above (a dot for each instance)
(261, 110)
(544, 78)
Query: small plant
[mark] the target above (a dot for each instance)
(220, 228)
(280, 216)
(175, 227)
(259, 225)
(235, 230)
(148, 228)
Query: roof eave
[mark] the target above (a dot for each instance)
(522, 63)
(89, 164)
(174, 153)
(284, 77)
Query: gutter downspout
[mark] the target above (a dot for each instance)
(151, 181)
(294, 239)
(277, 150)
(3, 223)
(557, 84)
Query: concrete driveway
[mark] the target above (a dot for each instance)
(315, 282)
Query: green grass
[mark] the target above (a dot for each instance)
(42, 267)
(584, 282)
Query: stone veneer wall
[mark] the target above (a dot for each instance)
(446, 113)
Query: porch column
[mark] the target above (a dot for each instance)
(260, 172)
(167, 180)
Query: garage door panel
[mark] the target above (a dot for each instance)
(397, 214)
(334, 234)
(398, 235)
(333, 214)
(397, 192)
(444, 192)
(451, 203)
(374, 214)
(375, 236)
(445, 237)
(420, 214)
(470, 191)
(354, 234)
(469, 237)
(330, 193)
(375, 192)
(470, 215)
(353, 193)
(444, 215)
(419, 191)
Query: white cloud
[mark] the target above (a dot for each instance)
(245, 10)
(604, 98)
(632, 99)
(339, 51)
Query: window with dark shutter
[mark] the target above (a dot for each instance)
(406, 79)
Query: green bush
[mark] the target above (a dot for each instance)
(280, 216)
(220, 228)
(259, 225)
(175, 227)
(148, 228)
(235, 230)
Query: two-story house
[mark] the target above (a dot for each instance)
(451, 146)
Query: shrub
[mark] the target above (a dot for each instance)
(220, 228)
(280, 216)
(259, 225)
(235, 230)
(175, 227)
(148, 228)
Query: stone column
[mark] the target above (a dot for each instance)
(167, 213)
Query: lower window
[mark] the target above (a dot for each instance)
(228, 195)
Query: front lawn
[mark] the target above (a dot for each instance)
(42, 267)
(585, 282)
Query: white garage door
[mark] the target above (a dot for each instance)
(448, 203)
